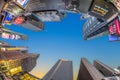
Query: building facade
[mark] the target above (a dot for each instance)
(94, 27)
(13, 63)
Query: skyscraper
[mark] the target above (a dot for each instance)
(88, 71)
(62, 70)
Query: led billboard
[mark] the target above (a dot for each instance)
(114, 27)
(22, 3)
(102, 9)
(8, 34)
(13, 9)
(8, 18)
(19, 20)
(117, 4)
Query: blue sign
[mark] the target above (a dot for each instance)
(113, 38)
(8, 17)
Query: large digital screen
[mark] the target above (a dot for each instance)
(13, 9)
(117, 4)
(114, 27)
(23, 3)
(101, 8)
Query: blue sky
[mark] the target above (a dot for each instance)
(64, 40)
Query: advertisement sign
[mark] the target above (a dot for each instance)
(23, 3)
(5, 35)
(114, 38)
(19, 20)
(8, 17)
(101, 8)
(10, 36)
(117, 26)
(114, 27)
(117, 4)
(14, 9)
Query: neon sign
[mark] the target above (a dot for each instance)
(114, 27)
(117, 26)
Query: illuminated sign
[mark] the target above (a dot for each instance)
(19, 20)
(23, 3)
(14, 9)
(16, 70)
(8, 17)
(117, 4)
(100, 10)
(10, 36)
(5, 35)
(117, 26)
(114, 27)
(113, 38)
(13, 49)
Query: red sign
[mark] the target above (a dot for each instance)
(117, 26)
(114, 27)
(111, 29)
(19, 20)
